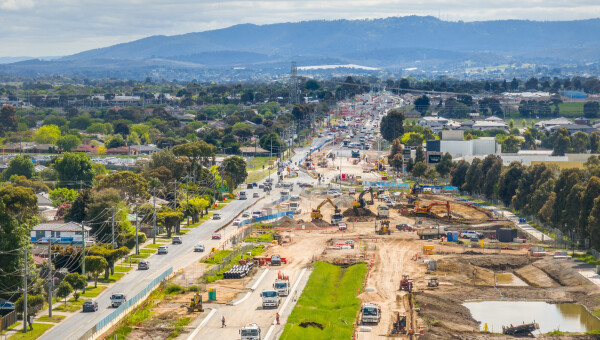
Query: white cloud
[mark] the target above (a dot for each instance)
(60, 27)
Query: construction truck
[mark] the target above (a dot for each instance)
(370, 313)
(195, 304)
(431, 232)
(427, 210)
(399, 326)
(433, 282)
(416, 189)
(380, 164)
(406, 283)
(360, 202)
(282, 284)
(270, 298)
(383, 212)
(322, 163)
(250, 332)
(384, 228)
(355, 153)
(335, 218)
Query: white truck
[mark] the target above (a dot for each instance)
(250, 332)
(431, 232)
(295, 207)
(282, 285)
(383, 212)
(370, 313)
(270, 299)
(117, 299)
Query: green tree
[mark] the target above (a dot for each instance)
(567, 179)
(242, 130)
(312, 85)
(420, 154)
(562, 142)
(195, 208)
(431, 174)
(392, 125)
(95, 265)
(8, 119)
(97, 128)
(579, 142)
(474, 177)
(422, 104)
(19, 202)
(68, 142)
(20, 166)
(200, 154)
(593, 225)
(35, 303)
(59, 196)
(491, 169)
(410, 164)
(77, 282)
(419, 169)
(396, 159)
(132, 186)
(592, 190)
(445, 165)
(64, 289)
(47, 134)
(509, 181)
(170, 220)
(233, 169)
(591, 109)
(594, 142)
(272, 143)
(14, 234)
(459, 173)
(511, 144)
(529, 143)
(73, 168)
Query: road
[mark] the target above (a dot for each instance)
(179, 256)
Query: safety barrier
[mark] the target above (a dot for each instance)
(113, 317)
(315, 149)
(386, 184)
(268, 217)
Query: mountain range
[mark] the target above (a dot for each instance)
(390, 43)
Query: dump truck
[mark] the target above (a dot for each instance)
(250, 332)
(431, 232)
(270, 298)
(383, 212)
(282, 284)
(406, 283)
(370, 313)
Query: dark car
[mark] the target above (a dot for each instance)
(90, 306)
(249, 186)
(176, 240)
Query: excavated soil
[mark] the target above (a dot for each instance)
(364, 215)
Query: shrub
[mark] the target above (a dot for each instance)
(173, 289)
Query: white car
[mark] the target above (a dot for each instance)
(199, 248)
(236, 222)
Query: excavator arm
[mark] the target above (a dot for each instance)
(360, 202)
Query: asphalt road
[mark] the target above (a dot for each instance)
(179, 256)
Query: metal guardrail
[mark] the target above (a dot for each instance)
(123, 308)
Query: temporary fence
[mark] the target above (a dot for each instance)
(214, 269)
(8, 320)
(315, 149)
(115, 316)
(388, 184)
(478, 205)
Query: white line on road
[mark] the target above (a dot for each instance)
(241, 300)
(262, 276)
(204, 322)
(272, 328)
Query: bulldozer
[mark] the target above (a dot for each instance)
(427, 210)
(433, 282)
(360, 202)
(315, 214)
(195, 304)
(406, 283)
(384, 228)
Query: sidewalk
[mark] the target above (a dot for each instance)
(526, 227)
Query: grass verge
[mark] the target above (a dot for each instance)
(72, 305)
(217, 257)
(139, 314)
(179, 327)
(92, 292)
(54, 318)
(112, 278)
(268, 237)
(329, 299)
(587, 258)
(219, 275)
(122, 269)
(38, 330)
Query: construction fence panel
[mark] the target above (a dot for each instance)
(8, 320)
(214, 269)
(125, 306)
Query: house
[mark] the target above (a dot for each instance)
(123, 150)
(572, 128)
(254, 151)
(412, 114)
(544, 124)
(145, 149)
(433, 121)
(42, 148)
(44, 201)
(483, 125)
(58, 232)
(87, 148)
(583, 121)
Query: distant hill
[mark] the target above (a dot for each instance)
(384, 43)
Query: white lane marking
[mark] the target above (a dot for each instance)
(242, 299)
(287, 300)
(202, 324)
(262, 276)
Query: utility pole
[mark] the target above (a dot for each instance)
(137, 246)
(25, 294)
(187, 198)
(113, 227)
(51, 283)
(154, 215)
(83, 251)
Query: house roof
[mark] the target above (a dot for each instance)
(43, 199)
(251, 149)
(59, 226)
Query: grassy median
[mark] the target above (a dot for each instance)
(328, 305)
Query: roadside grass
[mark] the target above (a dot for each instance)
(122, 269)
(152, 246)
(219, 275)
(72, 305)
(54, 318)
(268, 237)
(141, 255)
(139, 314)
(330, 299)
(217, 257)
(92, 292)
(13, 326)
(587, 258)
(112, 278)
(178, 327)
(256, 176)
(218, 207)
(38, 330)
(147, 251)
(257, 163)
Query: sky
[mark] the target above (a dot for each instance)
(40, 28)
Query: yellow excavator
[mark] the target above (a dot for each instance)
(315, 214)
(195, 304)
(380, 164)
(360, 202)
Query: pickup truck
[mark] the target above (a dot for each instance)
(431, 232)
(276, 260)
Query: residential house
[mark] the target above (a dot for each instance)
(253, 151)
(123, 150)
(87, 148)
(58, 232)
(145, 149)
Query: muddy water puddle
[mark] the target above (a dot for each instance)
(550, 317)
(509, 279)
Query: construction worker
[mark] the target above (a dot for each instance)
(277, 318)
(223, 322)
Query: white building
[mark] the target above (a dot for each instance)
(58, 232)
(460, 148)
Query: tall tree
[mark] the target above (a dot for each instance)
(566, 180)
(474, 177)
(562, 142)
(8, 119)
(422, 104)
(594, 142)
(445, 165)
(508, 182)
(20, 166)
(592, 190)
(74, 169)
(95, 265)
(591, 109)
(68, 142)
(132, 186)
(392, 125)
(459, 173)
(200, 154)
(419, 169)
(233, 169)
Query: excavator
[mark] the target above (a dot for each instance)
(195, 304)
(360, 202)
(380, 164)
(335, 218)
(427, 210)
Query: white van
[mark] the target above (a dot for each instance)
(242, 195)
(294, 198)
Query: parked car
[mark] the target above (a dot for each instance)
(305, 185)
(143, 265)
(199, 248)
(216, 236)
(216, 216)
(90, 306)
(117, 299)
(237, 222)
(6, 306)
(471, 234)
(176, 240)
(246, 214)
(255, 195)
(162, 250)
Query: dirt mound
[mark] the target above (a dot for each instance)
(311, 324)
(364, 215)
(561, 272)
(343, 201)
(498, 262)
